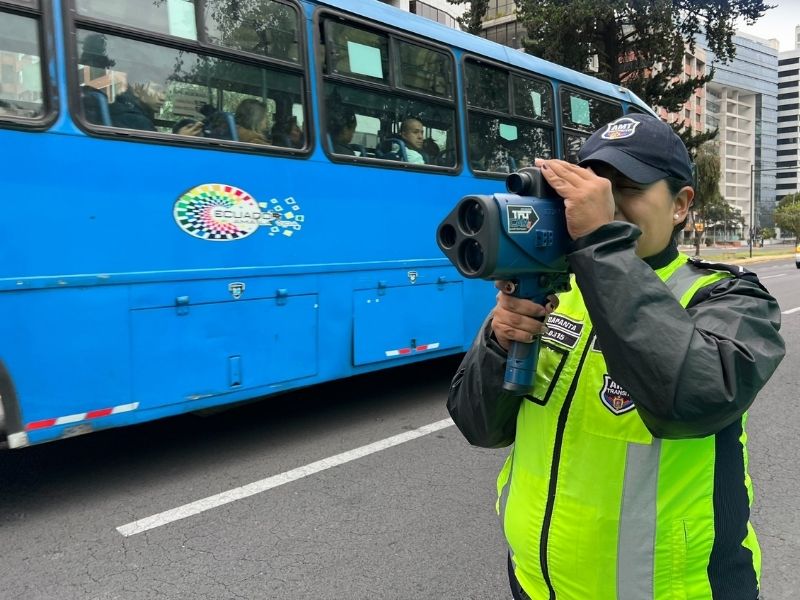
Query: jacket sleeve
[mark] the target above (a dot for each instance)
(484, 412)
(690, 371)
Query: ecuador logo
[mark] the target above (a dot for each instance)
(616, 399)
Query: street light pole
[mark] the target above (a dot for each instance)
(752, 204)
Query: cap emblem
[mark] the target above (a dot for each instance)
(620, 129)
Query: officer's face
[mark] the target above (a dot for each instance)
(651, 207)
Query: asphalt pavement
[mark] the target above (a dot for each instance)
(355, 490)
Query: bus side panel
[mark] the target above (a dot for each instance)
(67, 350)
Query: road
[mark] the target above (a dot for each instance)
(353, 500)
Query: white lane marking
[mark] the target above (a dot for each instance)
(773, 276)
(791, 310)
(204, 504)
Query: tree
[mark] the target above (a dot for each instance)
(787, 215)
(707, 194)
(639, 44)
(473, 17)
(789, 200)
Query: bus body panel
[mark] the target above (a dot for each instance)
(123, 304)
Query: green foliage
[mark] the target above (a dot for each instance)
(471, 20)
(639, 44)
(787, 216)
(707, 163)
(768, 233)
(789, 200)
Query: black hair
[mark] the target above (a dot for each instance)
(338, 120)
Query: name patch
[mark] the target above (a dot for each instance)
(615, 399)
(562, 330)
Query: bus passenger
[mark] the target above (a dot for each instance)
(136, 108)
(252, 121)
(288, 133)
(413, 133)
(629, 455)
(341, 127)
(430, 150)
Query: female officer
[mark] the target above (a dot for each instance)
(627, 479)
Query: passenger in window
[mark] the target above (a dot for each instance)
(430, 150)
(252, 121)
(342, 127)
(412, 132)
(136, 107)
(288, 133)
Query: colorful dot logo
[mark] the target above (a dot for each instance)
(218, 213)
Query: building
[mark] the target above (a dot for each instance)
(788, 155)
(500, 24)
(742, 100)
(693, 114)
(437, 10)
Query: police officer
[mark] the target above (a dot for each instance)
(628, 474)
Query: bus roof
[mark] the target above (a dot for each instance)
(400, 19)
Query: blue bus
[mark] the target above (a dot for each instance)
(209, 201)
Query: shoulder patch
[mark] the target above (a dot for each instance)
(614, 397)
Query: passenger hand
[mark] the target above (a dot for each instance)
(195, 129)
(588, 199)
(517, 319)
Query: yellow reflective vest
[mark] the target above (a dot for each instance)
(592, 505)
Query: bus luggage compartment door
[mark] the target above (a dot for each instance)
(408, 320)
(190, 351)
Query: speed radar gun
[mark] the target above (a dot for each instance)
(520, 237)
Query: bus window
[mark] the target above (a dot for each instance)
(357, 53)
(142, 86)
(173, 17)
(260, 26)
(581, 115)
(510, 118)
(20, 68)
(424, 70)
(406, 111)
(264, 27)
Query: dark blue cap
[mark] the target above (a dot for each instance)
(641, 147)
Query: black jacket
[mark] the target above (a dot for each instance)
(692, 370)
(130, 112)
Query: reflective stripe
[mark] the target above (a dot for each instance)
(637, 522)
(683, 279)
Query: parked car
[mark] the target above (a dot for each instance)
(797, 256)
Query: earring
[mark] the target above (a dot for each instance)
(676, 216)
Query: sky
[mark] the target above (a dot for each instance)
(778, 22)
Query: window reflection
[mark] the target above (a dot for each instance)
(135, 85)
(20, 68)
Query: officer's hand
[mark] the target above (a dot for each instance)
(588, 199)
(517, 319)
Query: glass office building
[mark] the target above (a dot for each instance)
(742, 100)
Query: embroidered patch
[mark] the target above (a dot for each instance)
(622, 128)
(616, 399)
(562, 330)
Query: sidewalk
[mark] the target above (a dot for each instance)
(741, 255)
